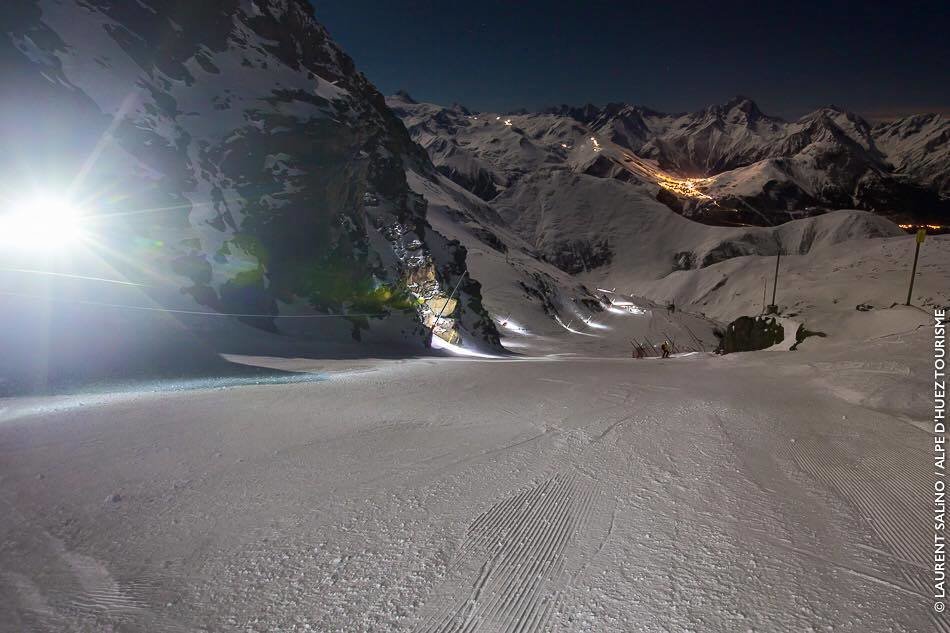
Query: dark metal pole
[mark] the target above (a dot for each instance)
(778, 255)
(778, 258)
(913, 272)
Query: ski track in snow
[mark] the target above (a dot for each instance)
(521, 543)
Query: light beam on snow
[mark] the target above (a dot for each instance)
(512, 326)
(570, 329)
(440, 343)
(627, 309)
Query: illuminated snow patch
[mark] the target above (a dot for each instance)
(510, 343)
(512, 326)
(440, 343)
(569, 328)
(625, 309)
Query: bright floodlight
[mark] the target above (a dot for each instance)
(41, 223)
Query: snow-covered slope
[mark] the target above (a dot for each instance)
(540, 309)
(231, 150)
(852, 291)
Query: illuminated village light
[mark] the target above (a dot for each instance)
(686, 187)
(933, 227)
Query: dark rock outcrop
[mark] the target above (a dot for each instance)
(747, 334)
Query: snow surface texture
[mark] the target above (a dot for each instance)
(755, 492)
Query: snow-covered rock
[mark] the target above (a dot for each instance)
(230, 149)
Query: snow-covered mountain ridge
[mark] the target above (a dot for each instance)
(732, 153)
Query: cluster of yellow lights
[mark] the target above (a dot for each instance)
(683, 186)
(687, 187)
(935, 227)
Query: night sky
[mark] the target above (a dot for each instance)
(878, 59)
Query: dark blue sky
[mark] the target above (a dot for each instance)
(876, 58)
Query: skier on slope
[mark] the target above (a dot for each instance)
(665, 348)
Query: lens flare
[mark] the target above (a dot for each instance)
(40, 223)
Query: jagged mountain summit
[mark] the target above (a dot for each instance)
(725, 158)
(240, 156)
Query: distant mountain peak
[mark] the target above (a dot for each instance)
(739, 106)
(742, 103)
(405, 96)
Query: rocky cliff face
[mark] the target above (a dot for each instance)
(230, 148)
